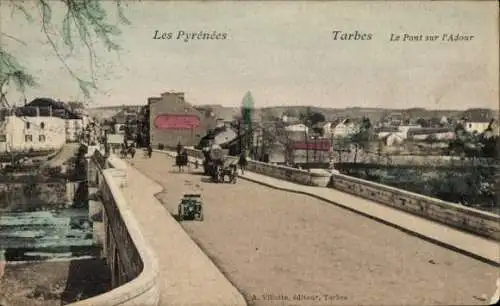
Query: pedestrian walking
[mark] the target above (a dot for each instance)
(150, 151)
(242, 162)
(131, 151)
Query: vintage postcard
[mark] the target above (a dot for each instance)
(258, 153)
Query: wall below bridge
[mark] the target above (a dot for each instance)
(134, 268)
(458, 216)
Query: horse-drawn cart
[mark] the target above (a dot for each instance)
(217, 166)
(228, 169)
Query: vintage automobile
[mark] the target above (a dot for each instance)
(190, 207)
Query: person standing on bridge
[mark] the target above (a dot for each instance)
(150, 151)
(131, 151)
(179, 148)
(242, 162)
(185, 158)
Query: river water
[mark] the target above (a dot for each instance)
(47, 235)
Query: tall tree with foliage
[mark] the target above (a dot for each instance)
(247, 109)
(311, 117)
(85, 19)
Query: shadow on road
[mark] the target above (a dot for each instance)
(196, 173)
(207, 180)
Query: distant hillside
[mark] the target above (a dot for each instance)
(375, 114)
(109, 111)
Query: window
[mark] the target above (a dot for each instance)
(27, 125)
(3, 138)
(28, 138)
(41, 138)
(470, 125)
(42, 126)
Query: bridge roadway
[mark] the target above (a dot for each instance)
(267, 241)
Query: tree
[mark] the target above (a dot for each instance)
(422, 122)
(316, 117)
(310, 117)
(435, 121)
(75, 105)
(85, 18)
(361, 139)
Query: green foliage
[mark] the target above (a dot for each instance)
(247, 108)
(86, 17)
(310, 117)
(11, 70)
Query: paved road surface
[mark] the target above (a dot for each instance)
(269, 242)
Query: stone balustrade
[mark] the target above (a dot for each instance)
(285, 173)
(134, 267)
(458, 216)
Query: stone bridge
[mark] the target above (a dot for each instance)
(279, 236)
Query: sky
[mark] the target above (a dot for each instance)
(284, 53)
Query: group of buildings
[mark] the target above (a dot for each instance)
(393, 131)
(169, 119)
(41, 125)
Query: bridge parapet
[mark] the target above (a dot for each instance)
(134, 268)
(479, 222)
(474, 221)
(280, 172)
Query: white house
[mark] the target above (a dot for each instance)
(297, 131)
(328, 129)
(476, 126)
(22, 134)
(47, 108)
(346, 128)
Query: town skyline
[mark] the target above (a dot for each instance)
(283, 54)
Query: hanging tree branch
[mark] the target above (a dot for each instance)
(86, 17)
